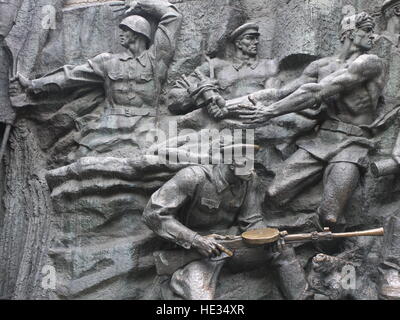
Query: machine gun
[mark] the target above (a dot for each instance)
(268, 235)
(168, 261)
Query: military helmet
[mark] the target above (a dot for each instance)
(137, 24)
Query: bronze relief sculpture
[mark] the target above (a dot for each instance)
(121, 207)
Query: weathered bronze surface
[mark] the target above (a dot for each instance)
(158, 149)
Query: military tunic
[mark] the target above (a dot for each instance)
(199, 201)
(235, 78)
(126, 123)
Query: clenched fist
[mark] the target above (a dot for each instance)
(19, 84)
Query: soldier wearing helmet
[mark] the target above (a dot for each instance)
(139, 26)
(131, 81)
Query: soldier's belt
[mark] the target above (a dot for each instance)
(346, 128)
(131, 112)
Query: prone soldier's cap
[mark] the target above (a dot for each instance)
(247, 28)
(240, 152)
(137, 24)
(388, 4)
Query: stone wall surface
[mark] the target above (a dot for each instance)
(96, 240)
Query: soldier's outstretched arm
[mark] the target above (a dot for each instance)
(364, 68)
(67, 77)
(273, 90)
(309, 75)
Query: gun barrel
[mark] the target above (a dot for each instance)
(372, 232)
(329, 235)
(299, 237)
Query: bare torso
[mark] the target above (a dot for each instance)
(357, 105)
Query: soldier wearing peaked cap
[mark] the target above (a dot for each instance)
(247, 28)
(215, 199)
(228, 78)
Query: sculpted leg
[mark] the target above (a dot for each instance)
(298, 172)
(197, 280)
(291, 275)
(389, 282)
(340, 181)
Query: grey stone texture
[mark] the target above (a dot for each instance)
(95, 238)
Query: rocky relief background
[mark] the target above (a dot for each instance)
(95, 239)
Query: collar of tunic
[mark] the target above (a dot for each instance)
(220, 183)
(238, 63)
(142, 59)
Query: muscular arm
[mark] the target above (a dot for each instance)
(161, 212)
(309, 75)
(271, 91)
(364, 68)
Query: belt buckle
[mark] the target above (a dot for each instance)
(127, 112)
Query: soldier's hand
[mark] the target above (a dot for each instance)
(279, 245)
(214, 111)
(126, 7)
(223, 237)
(216, 108)
(252, 114)
(19, 84)
(261, 115)
(134, 7)
(207, 247)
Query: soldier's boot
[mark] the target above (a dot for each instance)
(389, 284)
(292, 279)
(197, 280)
(389, 269)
